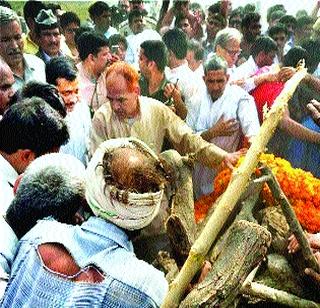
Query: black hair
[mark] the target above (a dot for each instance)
(90, 43)
(31, 9)
(156, 51)
(265, 44)
(47, 92)
(294, 55)
(303, 21)
(215, 8)
(32, 124)
(97, 9)
(249, 18)
(115, 39)
(69, 17)
(177, 42)
(279, 27)
(288, 19)
(274, 8)
(313, 47)
(134, 14)
(60, 67)
(81, 30)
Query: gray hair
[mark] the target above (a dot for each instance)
(225, 35)
(7, 15)
(215, 63)
(52, 185)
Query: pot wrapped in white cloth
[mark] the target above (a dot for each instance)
(126, 209)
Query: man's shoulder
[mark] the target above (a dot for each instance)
(33, 60)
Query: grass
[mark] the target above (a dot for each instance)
(79, 7)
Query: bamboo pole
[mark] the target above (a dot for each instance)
(232, 194)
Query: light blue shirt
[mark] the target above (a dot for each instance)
(128, 281)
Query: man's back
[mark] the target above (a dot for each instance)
(98, 245)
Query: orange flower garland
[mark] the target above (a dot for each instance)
(301, 188)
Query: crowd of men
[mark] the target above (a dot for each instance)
(86, 107)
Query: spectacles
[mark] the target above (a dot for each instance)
(233, 53)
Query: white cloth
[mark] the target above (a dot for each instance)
(111, 31)
(235, 103)
(79, 125)
(8, 176)
(189, 83)
(107, 201)
(134, 41)
(34, 69)
(8, 246)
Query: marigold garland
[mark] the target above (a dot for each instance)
(301, 188)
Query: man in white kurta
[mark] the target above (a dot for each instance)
(222, 115)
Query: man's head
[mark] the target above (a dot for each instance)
(52, 185)
(290, 22)
(122, 82)
(251, 26)
(264, 50)
(30, 129)
(48, 33)
(136, 5)
(69, 22)
(6, 83)
(182, 22)
(227, 45)
(125, 167)
(94, 50)
(118, 45)
(235, 19)
(279, 33)
(101, 15)
(304, 28)
(215, 23)
(11, 43)
(195, 54)
(177, 44)
(153, 56)
(135, 19)
(47, 92)
(31, 10)
(181, 7)
(215, 76)
(62, 73)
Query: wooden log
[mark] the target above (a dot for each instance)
(229, 199)
(166, 264)
(277, 273)
(273, 219)
(247, 206)
(181, 225)
(245, 246)
(281, 297)
(292, 220)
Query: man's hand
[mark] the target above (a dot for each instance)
(225, 127)
(171, 90)
(313, 239)
(232, 158)
(314, 108)
(286, 73)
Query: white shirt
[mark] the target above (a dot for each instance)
(79, 125)
(235, 103)
(34, 69)
(189, 83)
(8, 176)
(134, 41)
(111, 31)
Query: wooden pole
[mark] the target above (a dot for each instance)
(229, 199)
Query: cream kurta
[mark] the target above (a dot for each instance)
(154, 123)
